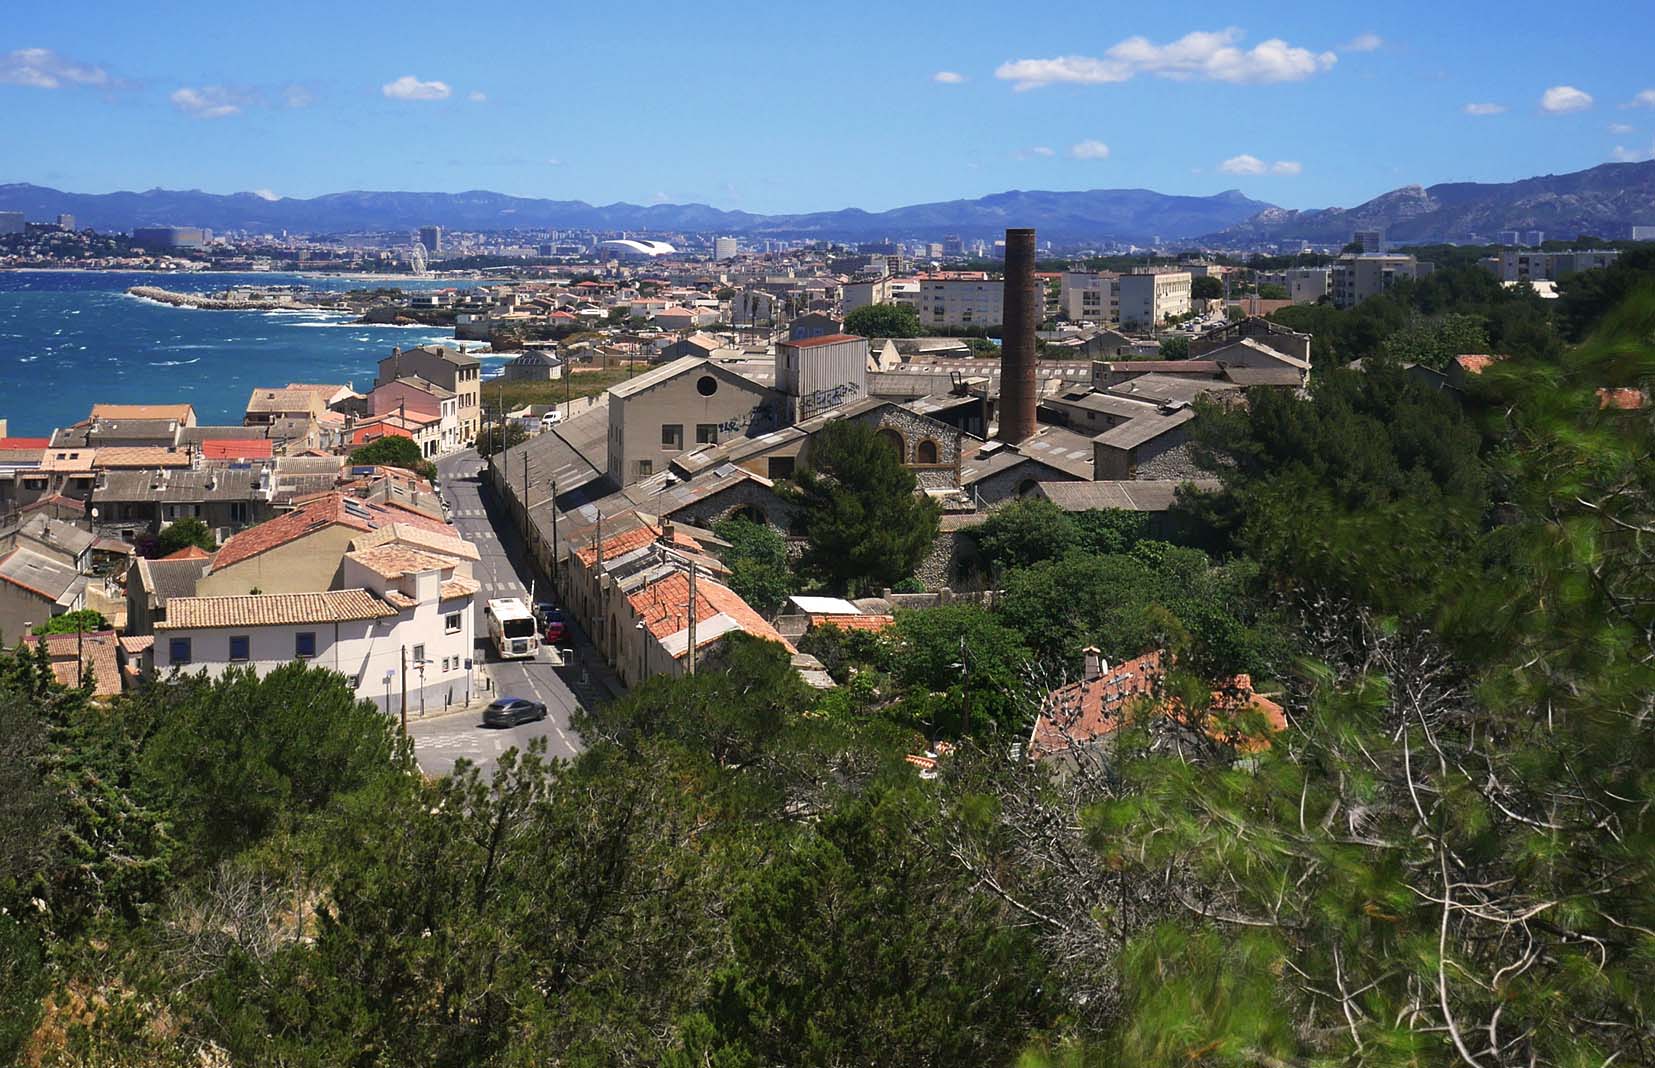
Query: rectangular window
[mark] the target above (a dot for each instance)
(781, 467)
(646, 468)
(418, 653)
(238, 511)
(451, 623)
(178, 651)
(241, 647)
(706, 433)
(304, 644)
(672, 435)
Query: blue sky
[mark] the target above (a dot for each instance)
(783, 106)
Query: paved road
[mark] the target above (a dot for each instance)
(504, 571)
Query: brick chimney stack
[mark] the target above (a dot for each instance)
(1021, 316)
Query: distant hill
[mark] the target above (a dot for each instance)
(1606, 201)
(1135, 215)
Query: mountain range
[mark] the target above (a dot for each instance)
(1136, 215)
(1606, 200)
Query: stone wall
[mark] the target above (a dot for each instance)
(1176, 462)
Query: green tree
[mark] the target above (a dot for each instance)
(1024, 532)
(864, 526)
(1175, 347)
(1272, 291)
(492, 439)
(240, 756)
(78, 621)
(854, 948)
(394, 451)
(185, 532)
(757, 558)
(1206, 287)
(972, 661)
(883, 320)
(1435, 342)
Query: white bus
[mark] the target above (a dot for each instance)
(511, 627)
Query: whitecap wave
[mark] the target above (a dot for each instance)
(173, 363)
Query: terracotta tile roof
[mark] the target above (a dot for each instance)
(446, 544)
(242, 449)
(1622, 398)
(321, 512)
(283, 400)
(1476, 363)
(140, 456)
(273, 610)
(97, 652)
(188, 552)
(137, 644)
(180, 412)
(460, 587)
(395, 561)
(25, 443)
(853, 622)
(663, 606)
(636, 538)
(825, 339)
(1086, 711)
(76, 459)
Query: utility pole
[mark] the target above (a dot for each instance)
(405, 691)
(691, 634)
(556, 589)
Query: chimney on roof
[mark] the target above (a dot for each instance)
(1020, 317)
(1095, 664)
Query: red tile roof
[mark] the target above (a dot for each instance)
(324, 510)
(1622, 398)
(1476, 363)
(188, 552)
(97, 652)
(853, 622)
(25, 443)
(237, 449)
(1083, 712)
(825, 339)
(663, 606)
(636, 538)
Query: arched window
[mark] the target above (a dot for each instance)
(926, 452)
(894, 440)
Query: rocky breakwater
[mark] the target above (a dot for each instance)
(221, 301)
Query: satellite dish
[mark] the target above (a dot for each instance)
(94, 513)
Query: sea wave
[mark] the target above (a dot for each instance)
(173, 363)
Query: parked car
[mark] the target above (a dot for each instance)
(510, 711)
(551, 620)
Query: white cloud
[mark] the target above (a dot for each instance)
(1089, 149)
(1622, 154)
(1621, 128)
(42, 68)
(1287, 166)
(1199, 55)
(1043, 150)
(409, 87)
(1645, 99)
(1364, 42)
(1560, 99)
(1242, 164)
(207, 102)
(297, 96)
(948, 77)
(1484, 109)
(266, 194)
(477, 96)
(554, 163)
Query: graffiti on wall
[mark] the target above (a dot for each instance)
(820, 400)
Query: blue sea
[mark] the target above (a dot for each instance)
(70, 339)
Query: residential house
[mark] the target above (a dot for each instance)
(433, 408)
(78, 659)
(460, 373)
(35, 587)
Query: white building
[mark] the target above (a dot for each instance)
(724, 248)
(1149, 298)
(1353, 279)
(1535, 266)
(961, 301)
(1306, 285)
(1090, 297)
(400, 603)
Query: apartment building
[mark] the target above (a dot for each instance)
(1353, 279)
(1149, 298)
(1306, 285)
(1516, 266)
(458, 372)
(1090, 296)
(975, 300)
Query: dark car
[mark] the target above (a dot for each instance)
(510, 711)
(551, 620)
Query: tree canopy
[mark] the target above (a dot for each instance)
(185, 532)
(883, 320)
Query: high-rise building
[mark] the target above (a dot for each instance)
(953, 246)
(165, 237)
(1643, 233)
(1353, 279)
(1508, 237)
(1369, 242)
(724, 248)
(65, 221)
(431, 238)
(1534, 238)
(1148, 298)
(12, 222)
